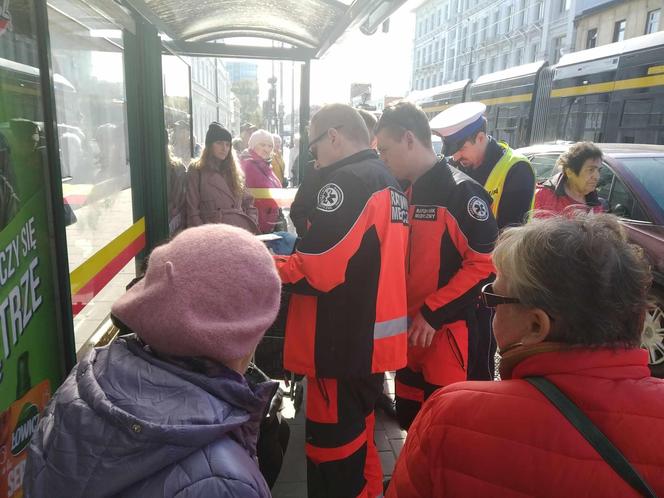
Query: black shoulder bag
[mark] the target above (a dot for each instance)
(593, 435)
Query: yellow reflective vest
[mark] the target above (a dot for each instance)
(495, 183)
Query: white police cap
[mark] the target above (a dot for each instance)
(457, 123)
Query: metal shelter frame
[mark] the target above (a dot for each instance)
(164, 16)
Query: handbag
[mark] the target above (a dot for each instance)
(593, 435)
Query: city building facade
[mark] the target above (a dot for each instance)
(599, 22)
(459, 39)
(211, 95)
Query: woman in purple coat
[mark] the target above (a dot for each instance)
(259, 174)
(165, 411)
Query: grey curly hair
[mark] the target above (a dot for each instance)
(581, 270)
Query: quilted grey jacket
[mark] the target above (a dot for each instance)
(128, 424)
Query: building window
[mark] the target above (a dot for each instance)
(520, 13)
(504, 64)
(564, 5)
(518, 56)
(533, 52)
(619, 31)
(508, 19)
(557, 46)
(652, 25)
(591, 38)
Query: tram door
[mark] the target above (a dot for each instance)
(32, 352)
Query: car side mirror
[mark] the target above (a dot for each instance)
(620, 210)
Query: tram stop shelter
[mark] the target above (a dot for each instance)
(84, 123)
(303, 29)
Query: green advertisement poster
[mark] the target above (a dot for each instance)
(30, 354)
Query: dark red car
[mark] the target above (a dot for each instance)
(632, 183)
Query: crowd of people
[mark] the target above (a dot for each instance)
(405, 261)
(213, 187)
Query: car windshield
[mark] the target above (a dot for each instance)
(648, 171)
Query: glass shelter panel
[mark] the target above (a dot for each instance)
(181, 144)
(87, 51)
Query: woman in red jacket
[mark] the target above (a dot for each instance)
(570, 298)
(259, 174)
(575, 187)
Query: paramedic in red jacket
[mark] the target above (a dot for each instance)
(452, 233)
(347, 315)
(570, 299)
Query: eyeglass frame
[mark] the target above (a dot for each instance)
(491, 300)
(319, 138)
(496, 299)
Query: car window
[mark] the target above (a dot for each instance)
(622, 203)
(544, 165)
(605, 180)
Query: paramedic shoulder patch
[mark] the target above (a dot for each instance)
(330, 198)
(399, 207)
(478, 209)
(425, 213)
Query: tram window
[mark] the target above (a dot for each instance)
(638, 135)
(637, 113)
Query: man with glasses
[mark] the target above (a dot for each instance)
(452, 233)
(347, 315)
(305, 199)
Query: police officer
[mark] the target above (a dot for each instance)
(452, 234)
(347, 315)
(506, 175)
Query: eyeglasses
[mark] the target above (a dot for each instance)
(314, 152)
(491, 300)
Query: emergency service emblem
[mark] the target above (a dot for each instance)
(478, 209)
(330, 197)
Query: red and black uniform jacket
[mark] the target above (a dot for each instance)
(452, 234)
(347, 315)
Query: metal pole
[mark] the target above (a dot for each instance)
(280, 107)
(292, 116)
(305, 80)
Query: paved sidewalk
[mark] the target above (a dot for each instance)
(292, 482)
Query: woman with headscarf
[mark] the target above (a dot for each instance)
(215, 189)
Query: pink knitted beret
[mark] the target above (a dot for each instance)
(212, 291)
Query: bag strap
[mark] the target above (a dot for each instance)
(593, 435)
